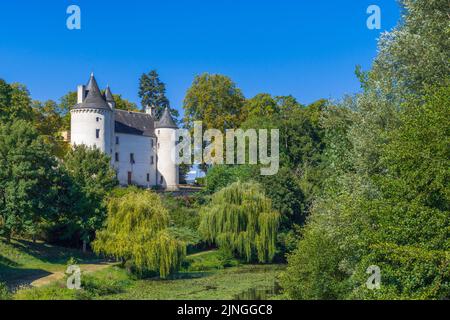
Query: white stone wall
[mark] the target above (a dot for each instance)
(167, 169)
(142, 149)
(85, 122)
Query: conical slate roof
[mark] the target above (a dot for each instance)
(108, 95)
(90, 82)
(166, 120)
(94, 99)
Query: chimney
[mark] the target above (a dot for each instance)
(81, 93)
(150, 110)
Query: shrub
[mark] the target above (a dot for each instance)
(4, 292)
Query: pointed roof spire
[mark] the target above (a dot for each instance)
(166, 120)
(94, 98)
(91, 81)
(108, 95)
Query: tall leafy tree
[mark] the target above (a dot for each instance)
(90, 170)
(27, 173)
(137, 233)
(215, 100)
(15, 102)
(241, 218)
(386, 203)
(152, 92)
(50, 124)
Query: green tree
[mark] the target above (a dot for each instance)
(152, 92)
(386, 203)
(136, 232)
(261, 105)
(15, 102)
(90, 170)
(50, 124)
(27, 173)
(241, 218)
(124, 104)
(221, 176)
(215, 100)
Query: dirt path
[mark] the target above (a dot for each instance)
(85, 268)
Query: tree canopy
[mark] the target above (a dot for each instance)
(241, 218)
(152, 92)
(27, 175)
(137, 232)
(215, 100)
(384, 199)
(91, 172)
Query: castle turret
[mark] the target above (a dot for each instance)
(109, 98)
(92, 118)
(165, 128)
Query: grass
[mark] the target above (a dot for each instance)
(114, 284)
(204, 276)
(22, 262)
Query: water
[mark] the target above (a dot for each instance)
(259, 293)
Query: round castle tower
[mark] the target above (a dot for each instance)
(165, 130)
(92, 119)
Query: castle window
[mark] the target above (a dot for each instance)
(117, 140)
(151, 142)
(131, 158)
(148, 177)
(97, 133)
(98, 119)
(152, 160)
(161, 180)
(117, 156)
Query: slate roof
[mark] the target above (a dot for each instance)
(166, 120)
(94, 98)
(136, 123)
(108, 95)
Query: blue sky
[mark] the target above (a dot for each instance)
(301, 47)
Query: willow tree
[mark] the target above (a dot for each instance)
(136, 232)
(240, 217)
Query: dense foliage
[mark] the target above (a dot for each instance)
(385, 200)
(241, 218)
(27, 179)
(215, 100)
(136, 232)
(152, 92)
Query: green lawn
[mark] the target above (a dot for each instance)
(22, 262)
(202, 278)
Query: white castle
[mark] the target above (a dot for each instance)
(139, 145)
